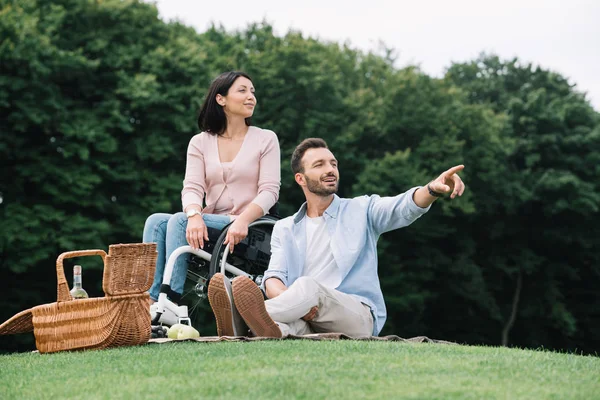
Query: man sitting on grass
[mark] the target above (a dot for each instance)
(322, 276)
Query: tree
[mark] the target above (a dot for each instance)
(98, 102)
(541, 232)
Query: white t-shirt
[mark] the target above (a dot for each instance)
(319, 262)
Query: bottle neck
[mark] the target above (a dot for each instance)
(77, 281)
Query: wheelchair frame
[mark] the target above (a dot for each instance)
(164, 305)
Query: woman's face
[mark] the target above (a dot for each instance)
(240, 99)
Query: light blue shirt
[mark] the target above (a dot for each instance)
(354, 226)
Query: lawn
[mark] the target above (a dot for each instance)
(301, 370)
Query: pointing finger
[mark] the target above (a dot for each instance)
(453, 170)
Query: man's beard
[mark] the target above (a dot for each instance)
(314, 186)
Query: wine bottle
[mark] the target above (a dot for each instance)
(78, 292)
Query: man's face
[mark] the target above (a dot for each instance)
(321, 173)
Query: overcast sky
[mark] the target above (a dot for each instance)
(560, 35)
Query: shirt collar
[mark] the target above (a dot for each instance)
(331, 211)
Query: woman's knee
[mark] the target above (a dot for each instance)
(154, 223)
(178, 221)
(157, 219)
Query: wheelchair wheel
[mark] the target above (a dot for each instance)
(195, 296)
(251, 255)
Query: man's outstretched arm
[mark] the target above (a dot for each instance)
(388, 213)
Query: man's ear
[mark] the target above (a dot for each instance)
(299, 178)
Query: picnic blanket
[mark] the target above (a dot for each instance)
(313, 336)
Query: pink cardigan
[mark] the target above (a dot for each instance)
(255, 176)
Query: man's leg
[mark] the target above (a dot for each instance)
(249, 301)
(220, 297)
(298, 327)
(338, 312)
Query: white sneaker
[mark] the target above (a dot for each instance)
(168, 316)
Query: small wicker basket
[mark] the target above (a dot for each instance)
(121, 318)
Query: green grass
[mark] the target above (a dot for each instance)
(301, 369)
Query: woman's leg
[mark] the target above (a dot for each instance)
(216, 221)
(176, 238)
(155, 231)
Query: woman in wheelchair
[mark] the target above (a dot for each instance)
(232, 167)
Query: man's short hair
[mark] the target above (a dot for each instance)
(306, 144)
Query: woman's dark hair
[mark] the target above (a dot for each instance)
(211, 117)
(306, 144)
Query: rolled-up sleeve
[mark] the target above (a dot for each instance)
(194, 183)
(389, 213)
(278, 267)
(269, 179)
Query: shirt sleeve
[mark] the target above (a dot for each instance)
(269, 178)
(278, 267)
(194, 183)
(389, 213)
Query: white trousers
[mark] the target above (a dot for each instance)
(338, 312)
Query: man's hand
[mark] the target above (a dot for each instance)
(311, 314)
(449, 182)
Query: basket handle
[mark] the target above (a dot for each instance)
(63, 293)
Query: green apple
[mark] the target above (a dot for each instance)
(187, 332)
(174, 331)
(182, 331)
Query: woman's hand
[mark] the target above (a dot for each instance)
(237, 232)
(196, 232)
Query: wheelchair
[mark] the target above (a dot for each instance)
(250, 258)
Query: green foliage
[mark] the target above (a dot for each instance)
(544, 226)
(98, 102)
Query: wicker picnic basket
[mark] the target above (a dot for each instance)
(121, 318)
